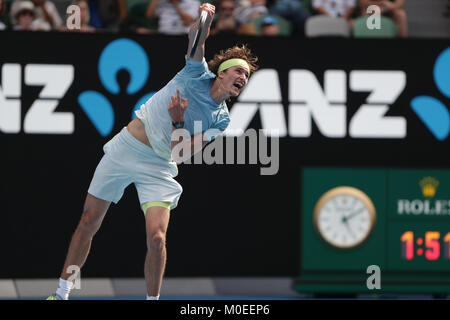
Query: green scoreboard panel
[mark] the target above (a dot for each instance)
(395, 219)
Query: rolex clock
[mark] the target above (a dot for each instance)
(354, 219)
(344, 217)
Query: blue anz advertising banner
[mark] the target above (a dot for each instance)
(319, 102)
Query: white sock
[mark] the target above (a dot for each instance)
(152, 298)
(64, 288)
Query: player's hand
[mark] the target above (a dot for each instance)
(177, 107)
(210, 9)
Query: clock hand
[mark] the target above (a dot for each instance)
(345, 221)
(353, 214)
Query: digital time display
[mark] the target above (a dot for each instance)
(420, 245)
(429, 246)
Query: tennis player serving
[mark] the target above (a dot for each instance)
(141, 153)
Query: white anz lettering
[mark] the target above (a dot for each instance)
(385, 87)
(308, 101)
(10, 104)
(327, 106)
(40, 118)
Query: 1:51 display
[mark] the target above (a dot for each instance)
(432, 245)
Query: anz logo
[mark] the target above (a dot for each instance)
(430, 110)
(56, 80)
(119, 54)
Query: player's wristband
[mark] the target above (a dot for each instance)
(178, 125)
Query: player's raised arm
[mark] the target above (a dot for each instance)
(177, 107)
(199, 32)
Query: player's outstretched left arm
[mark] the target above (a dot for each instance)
(196, 49)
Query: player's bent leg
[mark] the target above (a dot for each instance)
(157, 221)
(94, 211)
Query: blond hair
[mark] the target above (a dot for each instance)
(241, 52)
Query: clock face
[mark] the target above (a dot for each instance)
(344, 217)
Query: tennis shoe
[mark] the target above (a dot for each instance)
(54, 297)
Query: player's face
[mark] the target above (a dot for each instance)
(235, 79)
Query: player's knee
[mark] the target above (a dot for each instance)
(89, 222)
(156, 241)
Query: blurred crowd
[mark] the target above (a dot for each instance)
(296, 18)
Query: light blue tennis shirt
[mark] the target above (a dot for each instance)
(194, 82)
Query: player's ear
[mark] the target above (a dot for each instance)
(221, 75)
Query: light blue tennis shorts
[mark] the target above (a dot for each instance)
(127, 160)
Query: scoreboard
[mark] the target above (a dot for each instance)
(395, 219)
